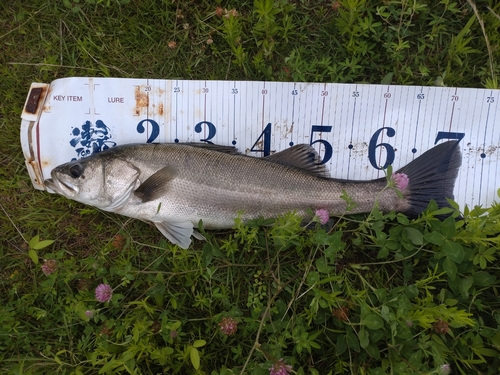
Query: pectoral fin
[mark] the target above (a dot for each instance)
(156, 185)
(177, 233)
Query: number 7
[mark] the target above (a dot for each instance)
(449, 135)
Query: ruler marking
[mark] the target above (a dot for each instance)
(234, 113)
(483, 154)
(176, 110)
(147, 109)
(264, 92)
(414, 149)
(324, 93)
(205, 111)
(294, 94)
(387, 96)
(350, 146)
(454, 99)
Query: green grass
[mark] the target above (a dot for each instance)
(373, 296)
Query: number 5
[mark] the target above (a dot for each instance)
(328, 146)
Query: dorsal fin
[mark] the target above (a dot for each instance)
(301, 156)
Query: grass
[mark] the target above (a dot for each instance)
(369, 297)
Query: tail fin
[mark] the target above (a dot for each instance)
(432, 176)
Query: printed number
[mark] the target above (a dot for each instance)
(147, 88)
(204, 90)
(295, 92)
(355, 94)
(264, 91)
(234, 91)
(326, 144)
(387, 95)
(449, 135)
(454, 98)
(177, 89)
(420, 96)
(324, 93)
(211, 130)
(264, 141)
(154, 133)
(490, 99)
(388, 148)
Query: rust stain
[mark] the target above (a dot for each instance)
(37, 171)
(160, 109)
(33, 99)
(36, 97)
(141, 100)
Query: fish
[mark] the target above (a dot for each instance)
(175, 185)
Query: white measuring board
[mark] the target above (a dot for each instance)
(358, 129)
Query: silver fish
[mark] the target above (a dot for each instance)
(176, 185)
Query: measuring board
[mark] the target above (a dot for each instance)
(358, 129)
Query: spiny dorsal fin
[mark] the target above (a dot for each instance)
(156, 184)
(301, 156)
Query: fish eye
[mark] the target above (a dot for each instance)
(76, 170)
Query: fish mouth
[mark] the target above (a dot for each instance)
(59, 186)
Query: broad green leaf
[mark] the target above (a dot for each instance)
(373, 321)
(387, 81)
(482, 279)
(450, 268)
(341, 344)
(34, 241)
(402, 219)
(464, 285)
(482, 262)
(383, 253)
(199, 343)
(43, 244)
(443, 211)
(207, 254)
(312, 278)
(336, 244)
(454, 251)
(448, 227)
(415, 236)
(435, 238)
(416, 359)
(33, 255)
(374, 352)
(322, 266)
(364, 338)
(352, 341)
(195, 357)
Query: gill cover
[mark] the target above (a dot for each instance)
(120, 179)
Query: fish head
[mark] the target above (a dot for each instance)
(103, 182)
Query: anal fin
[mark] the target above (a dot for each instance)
(178, 233)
